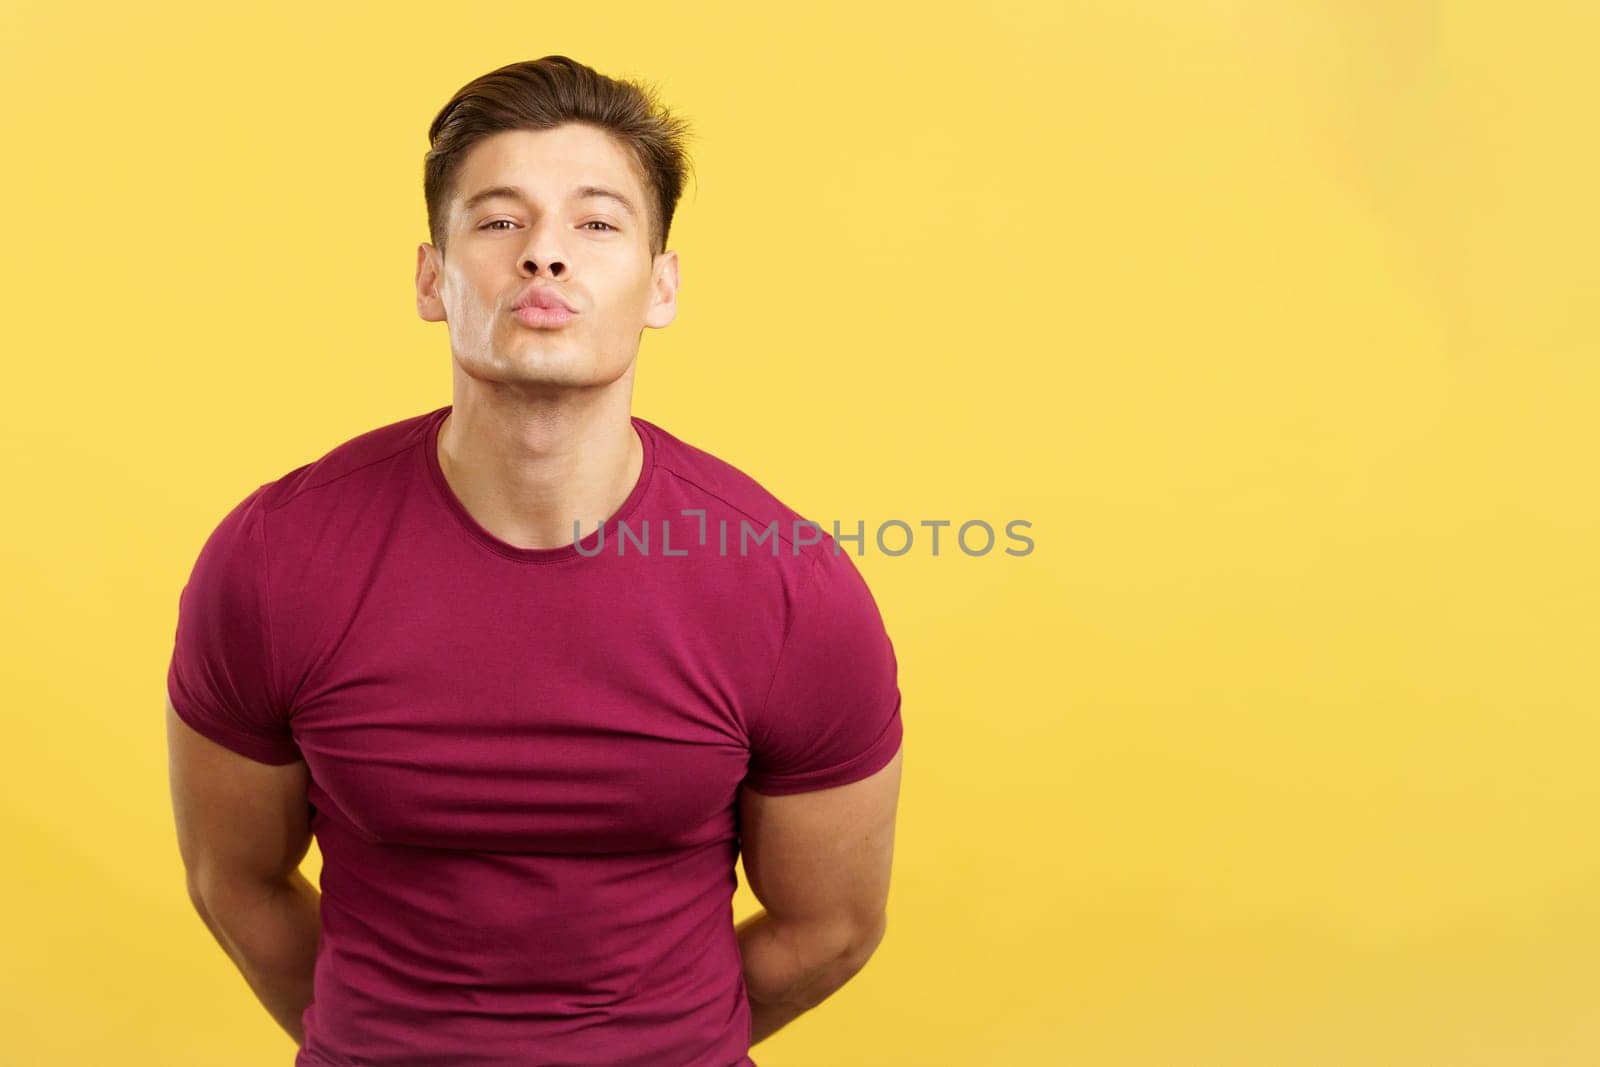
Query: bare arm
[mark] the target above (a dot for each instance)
(819, 862)
(243, 828)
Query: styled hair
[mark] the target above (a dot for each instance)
(542, 93)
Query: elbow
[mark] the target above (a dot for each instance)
(217, 897)
(846, 964)
(197, 895)
(197, 898)
(866, 942)
(847, 946)
(803, 965)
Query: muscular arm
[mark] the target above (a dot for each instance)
(819, 862)
(243, 828)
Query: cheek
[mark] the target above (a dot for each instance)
(472, 325)
(476, 309)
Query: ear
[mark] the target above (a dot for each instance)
(664, 291)
(429, 306)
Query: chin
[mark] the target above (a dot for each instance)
(549, 368)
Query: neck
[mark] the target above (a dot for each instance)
(527, 466)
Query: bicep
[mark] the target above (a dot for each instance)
(821, 859)
(241, 823)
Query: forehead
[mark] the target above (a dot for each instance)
(548, 163)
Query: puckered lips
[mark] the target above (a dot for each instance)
(542, 307)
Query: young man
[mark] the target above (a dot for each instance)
(531, 744)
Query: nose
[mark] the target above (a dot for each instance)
(555, 266)
(544, 246)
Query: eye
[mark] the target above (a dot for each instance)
(496, 222)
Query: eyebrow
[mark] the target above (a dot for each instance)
(582, 192)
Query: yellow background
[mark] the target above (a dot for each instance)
(1275, 319)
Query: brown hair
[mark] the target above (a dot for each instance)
(541, 93)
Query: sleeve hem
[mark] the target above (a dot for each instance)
(874, 759)
(242, 744)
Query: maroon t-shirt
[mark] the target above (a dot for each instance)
(525, 763)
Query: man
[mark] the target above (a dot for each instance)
(531, 744)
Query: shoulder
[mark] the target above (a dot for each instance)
(699, 479)
(368, 453)
(298, 530)
(829, 603)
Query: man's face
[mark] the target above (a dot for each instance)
(555, 232)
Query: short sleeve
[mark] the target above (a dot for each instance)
(220, 679)
(833, 713)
